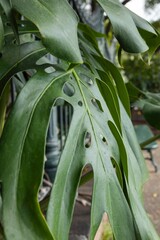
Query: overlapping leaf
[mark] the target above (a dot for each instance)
(22, 218)
(57, 24)
(88, 118)
(112, 150)
(126, 26)
(18, 58)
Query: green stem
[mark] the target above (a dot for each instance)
(150, 140)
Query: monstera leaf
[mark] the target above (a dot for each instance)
(100, 134)
(107, 145)
(57, 24)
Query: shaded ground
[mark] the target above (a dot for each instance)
(152, 190)
(81, 221)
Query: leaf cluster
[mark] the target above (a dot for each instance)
(30, 30)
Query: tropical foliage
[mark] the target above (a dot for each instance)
(29, 30)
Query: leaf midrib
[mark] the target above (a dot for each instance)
(89, 115)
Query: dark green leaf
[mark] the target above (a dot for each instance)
(125, 24)
(18, 58)
(109, 67)
(24, 147)
(151, 113)
(89, 118)
(57, 24)
(1, 34)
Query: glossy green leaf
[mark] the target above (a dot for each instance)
(93, 55)
(57, 25)
(108, 91)
(18, 58)
(22, 218)
(125, 26)
(105, 138)
(89, 118)
(110, 68)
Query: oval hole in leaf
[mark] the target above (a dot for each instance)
(14, 42)
(68, 89)
(80, 103)
(0, 54)
(97, 104)
(87, 140)
(61, 117)
(103, 139)
(49, 69)
(8, 24)
(87, 79)
(83, 204)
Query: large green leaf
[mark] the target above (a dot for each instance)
(125, 26)
(22, 157)
(106, 143)
(57, 24)
(88, 118)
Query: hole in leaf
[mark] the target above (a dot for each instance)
(82, 209)
(87, 140)
(8, 24)
(103, 139)
(43, 60)
(0, 54)
(80, 103)
(87, 79)
(68, 89)
(97, 104)
(14, 41)
(104, 230)
(59, 126)
(50, 69)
